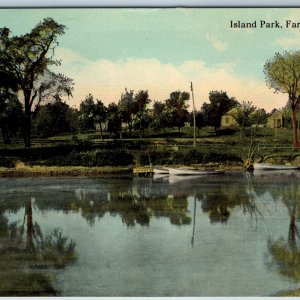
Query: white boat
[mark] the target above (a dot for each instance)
(265, 166)
(192, 171)
(160, 170)
(173, 179)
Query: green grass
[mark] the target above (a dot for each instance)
(90, 150)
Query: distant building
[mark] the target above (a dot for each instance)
(275, 119)
(228, 120)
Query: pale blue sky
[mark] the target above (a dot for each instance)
(165, 44)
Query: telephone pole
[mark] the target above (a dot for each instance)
(194, 115)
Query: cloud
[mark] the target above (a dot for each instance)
(217, 43)
(293, 39)
(106, 80)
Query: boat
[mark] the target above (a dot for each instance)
(192, 171)
(160, 170)
(174, 179)
(265, 166)
(277, 173)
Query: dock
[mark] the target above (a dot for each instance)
(145, 171)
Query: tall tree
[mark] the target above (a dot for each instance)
(159, 116)
(87, 113)
(141, 100)
(100, 115)
(176, 107)
(26, 58)
(283, 75)
(127, 108)
(113, 119)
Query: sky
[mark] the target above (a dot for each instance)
(163, 49)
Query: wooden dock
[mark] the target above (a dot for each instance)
(145, 171)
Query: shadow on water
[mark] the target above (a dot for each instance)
(285, 251)
(27, 256)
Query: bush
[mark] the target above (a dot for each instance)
(226, 131)
(6, 162)
(92, 158)
(188, 157)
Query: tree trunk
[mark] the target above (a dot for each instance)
(101, 133)
(30, 230)
(295, 130)
(27, 121)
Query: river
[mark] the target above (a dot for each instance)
(225, 235)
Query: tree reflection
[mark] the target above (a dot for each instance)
(135, 204)
(286, 252)
(219, 201)
(27, 256)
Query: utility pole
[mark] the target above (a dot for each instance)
(194, 116)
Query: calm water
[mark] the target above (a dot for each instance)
(229, 235)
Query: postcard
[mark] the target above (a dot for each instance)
(149, 152)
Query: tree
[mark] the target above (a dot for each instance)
(199, 120)
(259, 117)
(283, 75)
(219, 104)
(126, 108)
(87, 113)
(113, 119)
(159, 117)
(100, 115)
(242, 114)
(141, 100)
(54, 118)
(26, 59)
(176, 107)
(10, 115)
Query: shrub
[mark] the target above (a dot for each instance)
(93, 158)
(7, 162)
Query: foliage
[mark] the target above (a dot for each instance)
(242, 113)
(159, 118)
(87, 113)
(10, 115)
(26, 59)
(219, 104)
(176, 109)
(142, 118)
(115, 157)
(188, 157)
(54, 118)
(113, 119)
(126, 108)
(283, 75)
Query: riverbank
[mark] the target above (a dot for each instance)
(291, 293)
(22, 170)
(70, 171)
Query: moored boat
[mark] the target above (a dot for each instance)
(160, 170)
(192, 171)
(266, 166)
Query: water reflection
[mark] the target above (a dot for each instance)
(124, 230)
(285, 251)
(25, 251)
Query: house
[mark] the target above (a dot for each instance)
(275, 119)
(228, 120)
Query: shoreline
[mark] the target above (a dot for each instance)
(55, 171)
(21, 170)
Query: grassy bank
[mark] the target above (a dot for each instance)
(65, 156)
(72, 171)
